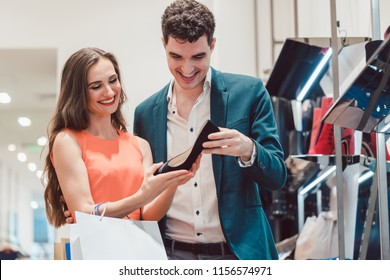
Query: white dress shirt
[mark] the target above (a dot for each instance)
(193, 216)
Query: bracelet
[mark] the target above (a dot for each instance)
(104, 210)
(96, 208)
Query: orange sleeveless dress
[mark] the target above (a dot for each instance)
(115, 169)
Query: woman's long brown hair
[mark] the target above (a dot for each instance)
(71, 112)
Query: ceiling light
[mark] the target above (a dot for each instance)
(34, 204)
(22, 157)
(32, 167)
(42, 141)
(39, 174)
(4, 98)
(12, 147)
(24, 121)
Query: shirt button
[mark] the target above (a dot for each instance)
(196, 184)
(173, 112)
(199, 234)
(197, 212)
(192, 129)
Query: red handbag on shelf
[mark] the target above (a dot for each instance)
(322, 137)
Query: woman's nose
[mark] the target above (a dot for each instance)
(110, 91)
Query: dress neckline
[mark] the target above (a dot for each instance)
(119, 132)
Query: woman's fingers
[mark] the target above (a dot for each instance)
(67, 213)
(181, 179)
(154, 168)
(172, 174)
(196, 164)
(175, 178)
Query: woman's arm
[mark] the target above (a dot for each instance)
(73, 178)
(72, 173)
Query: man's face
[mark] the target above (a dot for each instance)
(189, 62)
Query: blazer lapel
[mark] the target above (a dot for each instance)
(218, 106)
(159, 144)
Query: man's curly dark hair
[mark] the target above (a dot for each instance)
(187, 21)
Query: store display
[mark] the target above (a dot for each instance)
(298, 71)
(365, 104)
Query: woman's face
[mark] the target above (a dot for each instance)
(104, 88)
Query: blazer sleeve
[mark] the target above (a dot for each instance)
(269, 169)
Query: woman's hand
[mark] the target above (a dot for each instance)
(154, 185)
(69, 218)
(157, 209)
(67, 214)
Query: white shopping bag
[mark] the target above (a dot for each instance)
(74, 239)
(104, 238)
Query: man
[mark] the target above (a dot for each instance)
(218, 213)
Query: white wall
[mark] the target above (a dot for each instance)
(131, 30)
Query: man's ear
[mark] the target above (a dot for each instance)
(213, 44)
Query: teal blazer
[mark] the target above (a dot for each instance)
(237, 102)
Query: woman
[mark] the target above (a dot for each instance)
(93, 162)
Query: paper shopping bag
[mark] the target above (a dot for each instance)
(62, 249)
(104, 238)
(318, 238)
